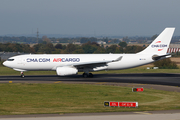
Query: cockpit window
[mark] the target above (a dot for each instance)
(10, 59)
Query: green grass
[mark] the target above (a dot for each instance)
(19, 98)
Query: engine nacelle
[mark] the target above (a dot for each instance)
(63, 71)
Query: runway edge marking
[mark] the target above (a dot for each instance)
(58, 82)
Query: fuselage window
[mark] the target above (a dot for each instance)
(10, 59)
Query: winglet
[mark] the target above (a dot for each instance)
(118, 59)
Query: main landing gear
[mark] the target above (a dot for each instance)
(22, 74)
(85, 75)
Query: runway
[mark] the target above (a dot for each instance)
(144, 78)
(147, 115)
(160, 81)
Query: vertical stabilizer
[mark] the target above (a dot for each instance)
(161, 44)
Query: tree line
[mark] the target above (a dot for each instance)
(47, 47)
(111, 40)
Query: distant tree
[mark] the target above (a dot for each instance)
(100, 50)
(27, 49)
(78, 51)
(95, 44)
(70, 48)
(37, 47)
(118, 49)
(84, 40)
(44, 48)
(123, 44)
(58, 46)
(63, 47)
(57, 51)
(121, 50)
(15, 47)
(111, 49)
(133, 49)
(165, 64)
(89, 47)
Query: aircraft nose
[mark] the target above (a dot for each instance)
(5, 63)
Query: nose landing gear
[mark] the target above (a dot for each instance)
(22, 74)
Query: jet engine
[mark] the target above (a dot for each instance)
(63, 71)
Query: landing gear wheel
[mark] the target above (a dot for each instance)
(22, 74)
(85, 75)
(90, 75)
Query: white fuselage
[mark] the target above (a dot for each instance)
(52, 61)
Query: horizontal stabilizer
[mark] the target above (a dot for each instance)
(156, 57)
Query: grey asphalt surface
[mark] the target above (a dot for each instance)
(144, 78)
(160, 81)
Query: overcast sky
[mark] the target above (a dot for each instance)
(99, 17)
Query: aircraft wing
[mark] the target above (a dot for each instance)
(94, 63)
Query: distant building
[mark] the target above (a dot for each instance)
(77, 43)
(173, 50)
(133, 42)
(101, 42)
(121, 40)
(149, 41)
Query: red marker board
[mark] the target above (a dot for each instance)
(113, 104)
(128, 104)
(121, 104)
(138, 89)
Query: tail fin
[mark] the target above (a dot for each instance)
(160, 45)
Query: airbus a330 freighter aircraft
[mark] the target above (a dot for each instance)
(70, 64)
